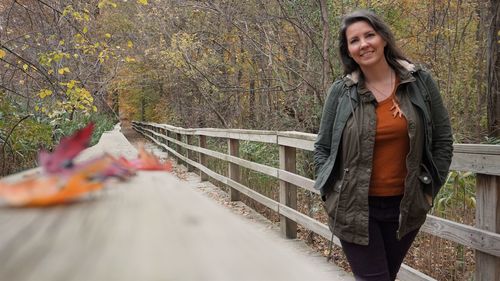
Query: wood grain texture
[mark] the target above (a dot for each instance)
(488, 218)
(288, 192)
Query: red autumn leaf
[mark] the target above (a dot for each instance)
(62, 156)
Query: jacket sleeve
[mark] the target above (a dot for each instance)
(322, 146)
(442, 138)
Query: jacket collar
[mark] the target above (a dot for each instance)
(405, 75)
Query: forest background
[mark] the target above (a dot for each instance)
(220, 63)
(249, 64)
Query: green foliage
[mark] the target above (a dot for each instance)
(22, 134)
(260, 153)
(492, 140)
(64, 126)
(457, 196)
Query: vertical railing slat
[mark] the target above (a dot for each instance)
(233, 147)
(189, 152)
(202, 142)
(487, 218)
(178, 148)
(288, 191)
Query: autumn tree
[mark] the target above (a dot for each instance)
(493, 70)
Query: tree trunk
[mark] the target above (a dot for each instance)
(143, 108)
(493, 70)
(325, 77)
(480, 75)
(252, 110)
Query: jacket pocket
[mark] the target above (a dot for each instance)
(332, 201)
(419, 205)
(426, 182)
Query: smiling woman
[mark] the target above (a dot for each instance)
(383, 150)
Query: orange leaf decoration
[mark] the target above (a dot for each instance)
(74, 188)
(147, 161)
(21, 193)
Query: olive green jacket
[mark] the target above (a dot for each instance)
(344, 151)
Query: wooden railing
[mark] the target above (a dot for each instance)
(484, 160)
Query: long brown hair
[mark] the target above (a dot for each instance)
(391, 51)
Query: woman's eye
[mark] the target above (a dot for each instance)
(353, 41)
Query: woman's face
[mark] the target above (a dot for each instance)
(365, 45)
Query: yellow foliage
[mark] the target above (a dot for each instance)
(143, 2)
(25, 67)
(2, 53)
(71, 84)
(67, 10)
(77, 16)
(130, 44)
(44, 93)
(63, 70)
(104, 3)
(129, 59)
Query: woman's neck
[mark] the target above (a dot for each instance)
(377, 73)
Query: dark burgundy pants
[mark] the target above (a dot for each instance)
(381, 259)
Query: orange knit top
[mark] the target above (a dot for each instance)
(392, 144)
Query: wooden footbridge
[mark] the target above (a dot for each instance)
(154, 227)
(189, 146)
(157, 227)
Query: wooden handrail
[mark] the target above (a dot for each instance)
(484, 160)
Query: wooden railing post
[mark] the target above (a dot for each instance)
(164, 141)
(487, 218)
(233, 146)
(288, 191)
(178, 148)
(202, 158)
(189, 152)
(167, 142)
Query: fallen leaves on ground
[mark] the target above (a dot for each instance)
(62, 180)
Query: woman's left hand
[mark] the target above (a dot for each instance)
(429, 199)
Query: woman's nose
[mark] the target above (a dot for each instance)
(363, 43)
